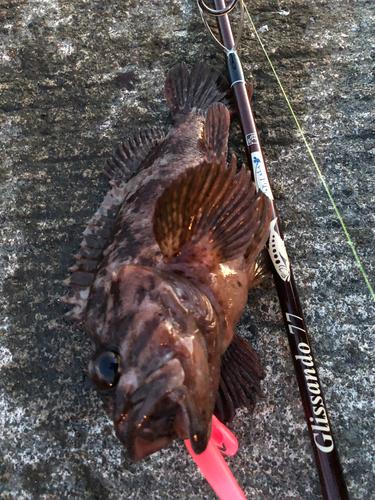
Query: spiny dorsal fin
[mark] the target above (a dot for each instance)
(130, 155)
(96, 237)
(241, 373)
(210, 215)
(99, 231)
(216, 131)
(195, 90)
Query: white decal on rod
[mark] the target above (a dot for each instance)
(278, 253)
(251, 139)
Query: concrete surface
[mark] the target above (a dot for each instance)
(64, 107)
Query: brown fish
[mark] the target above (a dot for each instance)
(163, 274)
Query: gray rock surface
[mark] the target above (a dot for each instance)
(77, 78)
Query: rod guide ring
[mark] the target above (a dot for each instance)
(218, 12)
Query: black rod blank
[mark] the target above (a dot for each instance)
(326, 455)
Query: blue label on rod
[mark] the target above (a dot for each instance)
(260, 174)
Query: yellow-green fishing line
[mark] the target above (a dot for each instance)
(313, 159)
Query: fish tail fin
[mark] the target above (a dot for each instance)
(197, 89)
(241, 373)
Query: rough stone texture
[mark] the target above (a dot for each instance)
(77, 77)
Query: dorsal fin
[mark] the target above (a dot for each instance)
(99, 231)
(198, 89)
(241, 373)
(130, 155)
(95, 238)
(210, 215)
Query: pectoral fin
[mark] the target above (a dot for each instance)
(241, 373)
(210, 215)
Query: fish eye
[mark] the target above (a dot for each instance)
(105, 369)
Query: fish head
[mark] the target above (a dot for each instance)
(156, 360)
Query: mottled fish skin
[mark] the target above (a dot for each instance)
(160, 322)
(166, 332)
(134, 242)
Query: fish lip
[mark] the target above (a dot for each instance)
(161, 382)
(158, 411)
(148, 415)
(129, 400)
(142, 440)
(143, 435)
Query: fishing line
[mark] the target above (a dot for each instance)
(326, 455)
(313, 159)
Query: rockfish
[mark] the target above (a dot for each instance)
(163, 274)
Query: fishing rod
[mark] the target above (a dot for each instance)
(326, 456)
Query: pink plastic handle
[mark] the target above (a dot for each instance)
(223, 438)
(212, 464)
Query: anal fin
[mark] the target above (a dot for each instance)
(216, 131)
(241, 373)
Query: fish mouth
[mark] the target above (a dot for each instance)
(158, 412)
